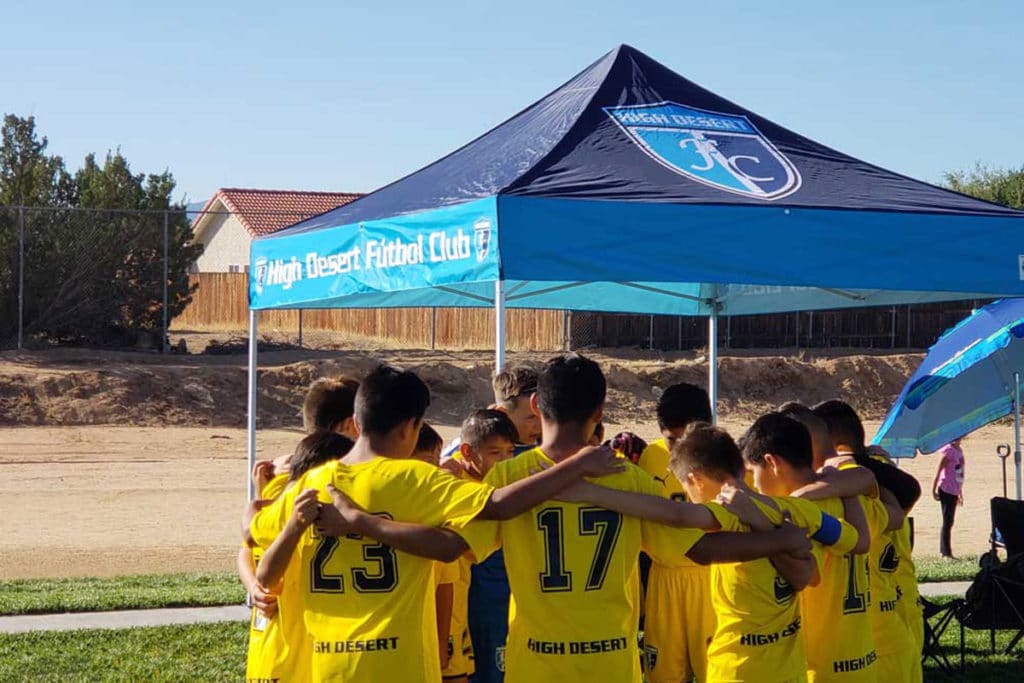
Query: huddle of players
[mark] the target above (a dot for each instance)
(351, 552)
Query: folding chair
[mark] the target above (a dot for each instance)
(937, 618)
(1007, 525)
(995, 601)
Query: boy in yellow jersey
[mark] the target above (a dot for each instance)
(573, 567)
(757, 637)
(368, 606)
(835, 614)
(278, 647)
(679, 619)
(897, 620)
(488, 437)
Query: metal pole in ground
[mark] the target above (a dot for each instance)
(163, 337)
(713, 362)
(499, 326)
(21, 275)
(251, 406)
(1016, 428)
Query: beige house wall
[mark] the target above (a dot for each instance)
(225, 244)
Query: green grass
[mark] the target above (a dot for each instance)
(38, 596)
(204, 652)
(933, 569)
(980, 665)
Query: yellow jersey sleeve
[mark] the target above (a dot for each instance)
(727, 520)
(446, 572)
(435, 494)
(666, 545)
(483, 536)
(267, 524)
(275, 487)
(876, 514)
(655, 461)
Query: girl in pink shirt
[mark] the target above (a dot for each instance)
(947, 488)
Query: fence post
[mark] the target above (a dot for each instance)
(21, 274)
(650, 339)
(300, 328)
(433, 328)
(798, 329)
(892, 332)
(679, 332)
(908, 325)
(163, 336)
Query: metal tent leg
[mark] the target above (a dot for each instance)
(251, 407)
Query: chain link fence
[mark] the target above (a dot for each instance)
(130, 279)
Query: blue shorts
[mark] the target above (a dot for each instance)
(489, 595)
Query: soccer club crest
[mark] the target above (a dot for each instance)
(651, 654)
(499, 659)
(784, 591)
(724, 151)
(261, 273)
(481, 238)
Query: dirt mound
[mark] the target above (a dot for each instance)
(83, 388)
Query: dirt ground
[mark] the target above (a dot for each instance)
(117, 463)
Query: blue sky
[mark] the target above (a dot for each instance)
(347, 96)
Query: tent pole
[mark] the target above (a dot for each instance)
(251, 406)
(499, 326)
(1016, 427)
(713, 363)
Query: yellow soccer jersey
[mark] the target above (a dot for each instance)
(275, 487)
(654, 461)
(675, 630)
(836, 616)
(908, 606)
(758, 616)
(892, 637)
(279, 647)
(460, 647)
(575, 580)
(369, 609)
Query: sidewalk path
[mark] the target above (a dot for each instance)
(71, 621)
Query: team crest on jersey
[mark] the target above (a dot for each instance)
(651, 654)
(783, 590)
(725, 151)
(499, 659)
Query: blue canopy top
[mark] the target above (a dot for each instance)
(630, 188)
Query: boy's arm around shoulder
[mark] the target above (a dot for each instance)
(517, 497)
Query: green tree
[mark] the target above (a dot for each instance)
(94, 254)
(1002, 186)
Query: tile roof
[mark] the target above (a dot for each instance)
(265, 211)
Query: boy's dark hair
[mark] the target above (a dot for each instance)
(903, 485)
(843, 424)
(709, 451)
(387, 397)
(429, 439)
(315, 449)
(513, 383)
(783, 437)
(570, 389)
(329, 402)
(485, 424)
(682, 404)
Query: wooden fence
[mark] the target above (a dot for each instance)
(220, 305)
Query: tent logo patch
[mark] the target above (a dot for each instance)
(724, 151)
(481, 238)
(261, 273)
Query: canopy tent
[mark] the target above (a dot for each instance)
(631, 189)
